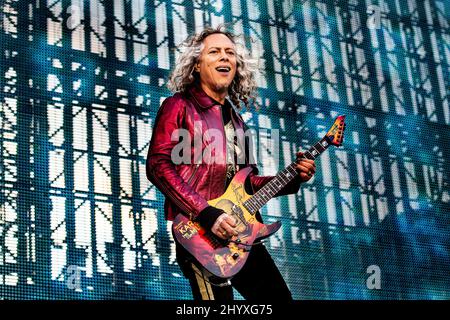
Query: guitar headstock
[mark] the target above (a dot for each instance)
(335, 135)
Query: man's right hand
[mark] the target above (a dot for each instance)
(218, 222)
(224, 227)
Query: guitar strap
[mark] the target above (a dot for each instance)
(231, 146)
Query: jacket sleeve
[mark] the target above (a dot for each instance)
(159, 167)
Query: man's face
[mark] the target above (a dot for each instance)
(217, 63)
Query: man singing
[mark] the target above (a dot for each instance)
(211, 79)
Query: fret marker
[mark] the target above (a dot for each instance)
(315, 152)
(324, 143)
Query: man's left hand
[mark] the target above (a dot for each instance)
(306, 168)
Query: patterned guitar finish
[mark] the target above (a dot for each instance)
(225, 258)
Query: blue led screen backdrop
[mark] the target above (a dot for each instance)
(81, 83)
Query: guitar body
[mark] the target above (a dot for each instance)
(224, 258)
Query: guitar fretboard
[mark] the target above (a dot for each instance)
(260, 198)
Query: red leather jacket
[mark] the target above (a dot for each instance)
(187, 187)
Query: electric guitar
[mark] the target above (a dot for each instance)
(224, 258)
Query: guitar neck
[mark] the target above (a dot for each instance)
(260, 198)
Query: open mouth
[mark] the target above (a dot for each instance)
(223, 69)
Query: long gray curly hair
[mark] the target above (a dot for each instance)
(242, 88)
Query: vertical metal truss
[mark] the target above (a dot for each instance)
(76, 121)
(24, 208)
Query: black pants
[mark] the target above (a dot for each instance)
(259, 279)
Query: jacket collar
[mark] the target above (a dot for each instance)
(206, 102)
(200, 96)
